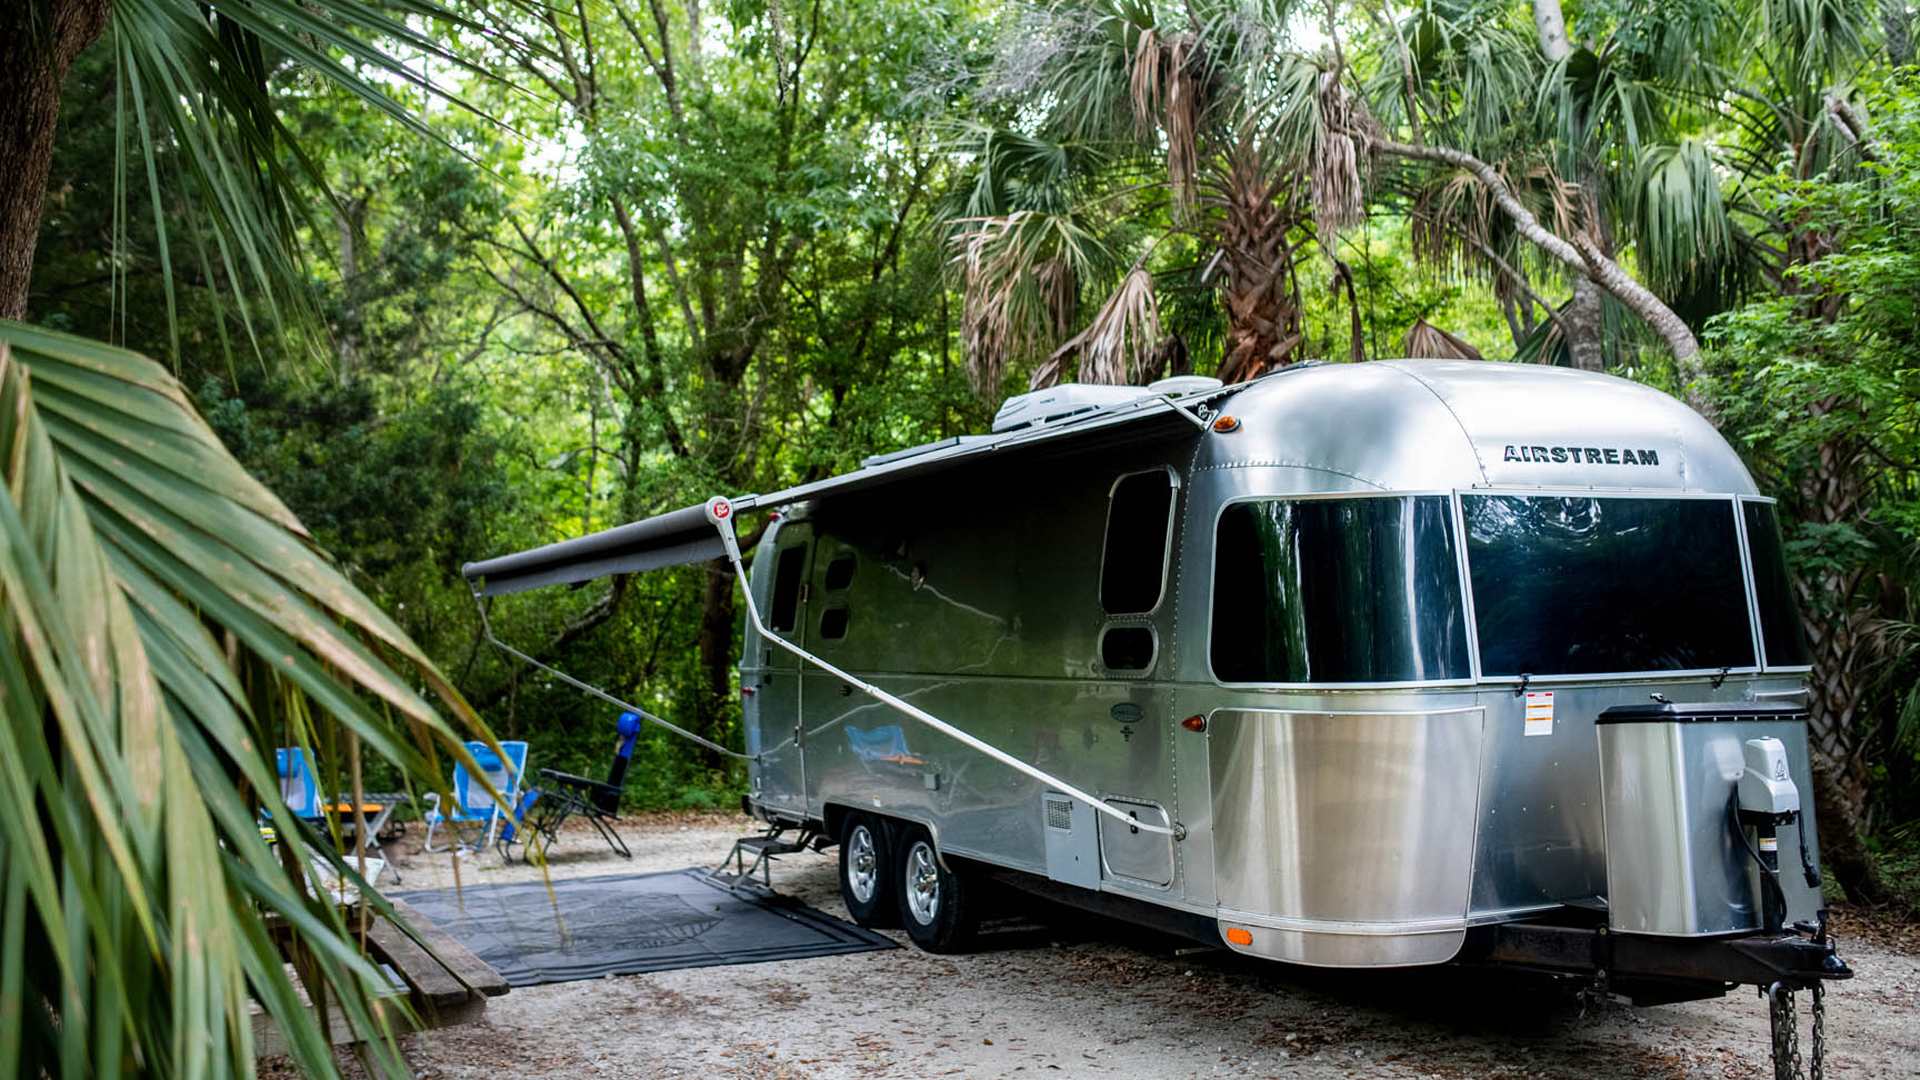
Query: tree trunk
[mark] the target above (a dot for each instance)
(1898, 31)
(1585, 327)
(34, 59)
(1263, 322)
(714, 707)
(353, 226)
(1840, 617)
(1580, 255)
(1551, 26)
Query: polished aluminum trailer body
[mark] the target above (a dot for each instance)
(1350, 824)
(1342, 664)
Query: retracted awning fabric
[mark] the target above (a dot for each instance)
(682, 536)
(686, 536)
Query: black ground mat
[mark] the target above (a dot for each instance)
(632, 923)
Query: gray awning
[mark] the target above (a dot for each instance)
(686, 536)
(682, 536)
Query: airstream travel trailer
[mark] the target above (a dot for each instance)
(1355, 665)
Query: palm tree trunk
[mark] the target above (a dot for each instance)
(1263, 322)
(1831, 493)
(34, 58)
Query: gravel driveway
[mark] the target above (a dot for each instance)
(1053, 992)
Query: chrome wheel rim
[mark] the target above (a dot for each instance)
(863, 865)
(923, 883)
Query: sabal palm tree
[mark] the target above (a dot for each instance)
(1620, 130)
(165, 622)
(1669, 126)
(1199, 117)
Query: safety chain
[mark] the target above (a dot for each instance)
(1816, 1069)
(1786, 1035)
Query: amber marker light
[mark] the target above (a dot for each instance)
(1239, 935)
(1227, 424)
(1194, 723)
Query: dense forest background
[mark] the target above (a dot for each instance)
(656, 251)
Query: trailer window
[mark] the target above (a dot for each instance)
(1338, 591)
(1134, 563)
(786, 588)
(1583, 585)
(839, 572)
(1126, 648)
(1779, 621)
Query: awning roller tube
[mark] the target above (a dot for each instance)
(680, 536)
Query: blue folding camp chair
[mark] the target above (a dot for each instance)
(301, 792)
(297, 787)
(472, 804)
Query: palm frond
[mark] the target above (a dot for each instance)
(1019, 277)
(1334, 166)
(165, 623)
(1818, 39)
(197, 83)
(1681, 223)
(1117, 347)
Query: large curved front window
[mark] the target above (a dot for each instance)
(1772, 589)
(1349, 590)
(1584, 585)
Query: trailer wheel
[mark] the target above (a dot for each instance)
(938, 907)
(866, 871)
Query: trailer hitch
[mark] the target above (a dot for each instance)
(1657, 970)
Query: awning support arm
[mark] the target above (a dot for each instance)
(486, 628)
(720, 512)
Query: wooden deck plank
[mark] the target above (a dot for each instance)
(431, 982)
(459, 960)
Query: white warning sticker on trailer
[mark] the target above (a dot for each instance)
(1539, 713)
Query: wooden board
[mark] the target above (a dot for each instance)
(446, 983)
(458, 959)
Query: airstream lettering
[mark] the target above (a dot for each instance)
(1581, 455)
(1298, 667)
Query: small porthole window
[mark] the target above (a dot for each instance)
(1126, 648)
(833, 623)
(840, 572)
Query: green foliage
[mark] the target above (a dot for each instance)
(165, 623)
(714, 257)
(1831, 368)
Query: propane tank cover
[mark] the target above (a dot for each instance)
(1766, 787)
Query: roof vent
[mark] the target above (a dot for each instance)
(1060, 402)
(1182, 385)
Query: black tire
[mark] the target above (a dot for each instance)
(939, 908)
(866, 871)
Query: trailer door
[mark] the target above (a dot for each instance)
(772, 712)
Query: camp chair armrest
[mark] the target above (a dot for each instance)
(583, 783)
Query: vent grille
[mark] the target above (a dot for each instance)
(1060, 814)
